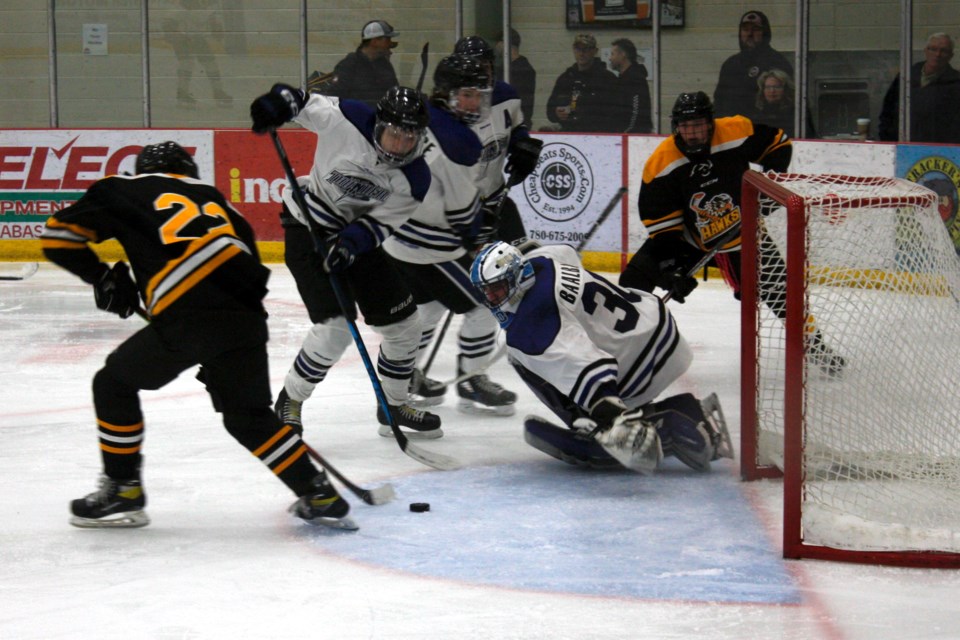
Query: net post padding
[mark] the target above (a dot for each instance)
(870, 458)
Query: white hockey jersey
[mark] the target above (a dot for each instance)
(348, 182)
(496, 133)
(448, 216)
(590, 338)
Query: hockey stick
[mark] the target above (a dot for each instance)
(435, 460)
(24, 273)
(376, 496)
(423, 65)
(725, 237)
(601, 218)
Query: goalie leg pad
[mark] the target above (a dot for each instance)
(570, 446)
(683, 430)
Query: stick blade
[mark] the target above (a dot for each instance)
(431, 459)
(380, 495)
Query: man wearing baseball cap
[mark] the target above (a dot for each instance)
(366, 74)
(583, 95)
(737, 86)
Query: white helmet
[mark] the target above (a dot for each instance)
(502, 275)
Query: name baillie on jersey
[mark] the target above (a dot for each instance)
(700, 198)
(187, 246)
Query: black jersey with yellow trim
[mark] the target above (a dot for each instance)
(700, 196)
(187, 247)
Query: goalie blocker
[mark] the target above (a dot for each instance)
(695, 432)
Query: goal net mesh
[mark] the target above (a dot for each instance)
(881, 437)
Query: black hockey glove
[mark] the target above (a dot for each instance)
(116, 292)
(345, 247)
(678, 284)
(276, 108)
(522, 159)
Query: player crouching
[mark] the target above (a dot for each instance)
(597, 355)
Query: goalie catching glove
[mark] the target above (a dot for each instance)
(116, 292)
(632, 441)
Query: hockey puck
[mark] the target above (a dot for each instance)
(419, 507)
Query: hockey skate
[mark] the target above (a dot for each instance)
(415, 423)
(117, 504)
(829, 361)
(717, 426)
(324, 506)
(425, 392)
(480, 395)
(288, 410)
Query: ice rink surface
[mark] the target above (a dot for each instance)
(516, 544)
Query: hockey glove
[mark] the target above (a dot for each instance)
(523, 159)
(116, 292)
(345, 247)
(633, 441)
(276, 108)
(678, 284)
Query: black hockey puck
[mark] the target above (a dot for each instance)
(419, 507)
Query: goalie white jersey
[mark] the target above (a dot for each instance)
(448, 216)
(347, 181)
(590, 338)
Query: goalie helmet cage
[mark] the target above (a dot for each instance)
(870, 457)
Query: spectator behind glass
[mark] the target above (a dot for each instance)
(583, 95)
(934, 97)
(632, 89)
(523, 77)
(366, 74)
(775, 102)
(737, 85)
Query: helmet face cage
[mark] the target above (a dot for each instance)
(458, 72)
(166, 157)
(691, 106)
(501, 273)
(403, 115)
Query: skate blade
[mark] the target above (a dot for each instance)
(340, 524)
(474, 408)
(125, 520)
(411, 434)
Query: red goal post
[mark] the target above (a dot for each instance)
(870, 452)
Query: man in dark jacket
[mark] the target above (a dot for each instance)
(523, 77)
(583, 96)
(366, 74)
(737, 86)
(632, 88)
(934, 96)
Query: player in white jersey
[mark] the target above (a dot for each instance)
(597, 355)
(432, 248)
(368, 177)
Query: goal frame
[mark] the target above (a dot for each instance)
(794, 546)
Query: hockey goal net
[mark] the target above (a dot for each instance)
(849, 387)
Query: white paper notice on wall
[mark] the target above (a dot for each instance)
(95, 39)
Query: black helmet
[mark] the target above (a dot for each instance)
(475, 47)
(404, 109)
(690, 106)
(166, 157)
(456, 72)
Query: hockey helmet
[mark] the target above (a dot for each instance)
(458, 72)
(404, 113)
(475, 47)
(691, 106)
(166, 157)
(502, 275)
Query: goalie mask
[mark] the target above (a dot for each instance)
(166, 157)
(461, 85)
(502, 275)
(687, 108)
(398, 135)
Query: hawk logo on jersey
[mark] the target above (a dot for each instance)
(357, 188)
(715, 216)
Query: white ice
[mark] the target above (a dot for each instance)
(516, 545)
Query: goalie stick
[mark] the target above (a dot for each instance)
(435, 460)
(25, 272)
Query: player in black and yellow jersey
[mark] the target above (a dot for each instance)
(690, 201)
(196, 266)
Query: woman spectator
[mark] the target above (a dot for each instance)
(774, 104)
